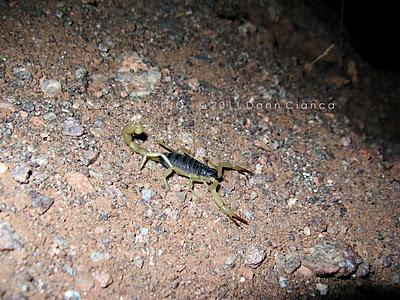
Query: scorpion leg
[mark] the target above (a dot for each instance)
(186, 152)
(165, 146)
(225, 165)
(154, 156)
(191, 187)
(192, 180)
(235, 218)
(168, 172)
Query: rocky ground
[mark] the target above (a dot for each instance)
(79, 219)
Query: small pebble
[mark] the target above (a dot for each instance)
(386, 261)
(289, 263)
(21, 173)
(396, 279)
(94, 174)
(345, 141)
(138, 260)
(66, 268)
(147, 194)
(51, 87)
(9, 239)
(39, 161)
(71, 127)
(104, 216)
(104, 278)
(230, 262)
(42, 202)
(137, 79)
(106, 241)
(172, 213)
(81, 73)
(253, 195)
(79, 182)
(89, 157)
(99, 122)
(103, 48)
(84, 284)
(291, 237)
(283, 282)
(181, 196)
(307, 231)
(97, 256)
(250, 215)
(186, 138)
(201, 152)
(322, 288)
(72, 295)
(50, 116)
(3, 168)
(246, 29)
(292, 201)
(254, 256)
(379, 235)
(28, 107)
(363, 269)
(144, 231)
(61, 242)
(21, 73)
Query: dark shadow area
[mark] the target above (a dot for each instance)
(371, 27)
(364, 291)
(372, 105)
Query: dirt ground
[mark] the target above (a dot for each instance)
(80, 220)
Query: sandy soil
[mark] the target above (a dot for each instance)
(79, 219)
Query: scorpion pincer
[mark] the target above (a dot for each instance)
(185, 165)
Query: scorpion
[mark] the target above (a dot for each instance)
(185, 165)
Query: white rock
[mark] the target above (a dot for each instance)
(51, 87)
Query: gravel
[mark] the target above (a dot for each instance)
(322, 288)
(283, 282)
(103, 278)
(148, 194)
(21, 173)
(71, 127)
(3, 168)
(363, 269)
(97, 256)
(386, 261)
(9, 239)
(40, 201)
(51, 88)
(21, 73)
(329, 257)
(289, 263)
(72, 295)
(89, 157)
(254, 255)
(138, 261)
(230, 262)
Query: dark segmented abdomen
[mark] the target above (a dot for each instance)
(189, 164)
